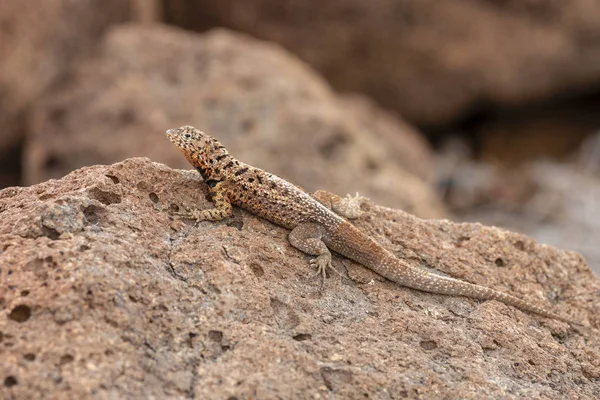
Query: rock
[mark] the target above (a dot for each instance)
(103, 293)
(269, 109)
(551, 132)
(432, 61)
(41, 40)
(410, 147)
(555, 203)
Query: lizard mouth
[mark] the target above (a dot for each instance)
(172, 135)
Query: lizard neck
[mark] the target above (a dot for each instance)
(210, 160)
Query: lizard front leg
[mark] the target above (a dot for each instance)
(221, 210)
(348, 206)
(307, 238)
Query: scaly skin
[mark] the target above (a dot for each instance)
(315, 226)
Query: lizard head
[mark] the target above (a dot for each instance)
(200, 149)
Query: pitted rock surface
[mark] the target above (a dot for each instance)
(105, 293)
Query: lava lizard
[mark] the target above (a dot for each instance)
(316, 221)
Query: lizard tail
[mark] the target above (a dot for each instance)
(425, 281)
(350, 242)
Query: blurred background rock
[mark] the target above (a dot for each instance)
(472, 110)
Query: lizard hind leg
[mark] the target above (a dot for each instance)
(307, 238)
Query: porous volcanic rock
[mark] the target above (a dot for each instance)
(268, 108)
(104, 293)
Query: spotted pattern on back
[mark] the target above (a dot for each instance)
(251, 188)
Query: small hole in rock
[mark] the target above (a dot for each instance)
(10, 381)
(45, 196)
(113, 178)
(154, 197)
(20, 313)
(257, 269)
(428, 344)
(174, 207)
(24, 293)
(500, 262)
(50, 233)
(520, 245)
(216, 336)
(462, 239)
(302, 337)
(238, 224)
(104, 197)
(84, 247)
(29, 357)
(214, 289)
(161, 307)
(92, 214)
(65, 359)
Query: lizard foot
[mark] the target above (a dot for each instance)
(195, 214)
(321, 263)
(349, 206)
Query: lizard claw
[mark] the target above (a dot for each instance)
(350, 206)
(321, 263)
(194, 214)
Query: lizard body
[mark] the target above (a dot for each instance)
(315, 222)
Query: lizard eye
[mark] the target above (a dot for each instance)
(187, 136)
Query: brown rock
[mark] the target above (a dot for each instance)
(269, 109)
(555, 203)
(552, 132)
(433, 61)
(40, 40)
(410, 148)
(104, 294)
